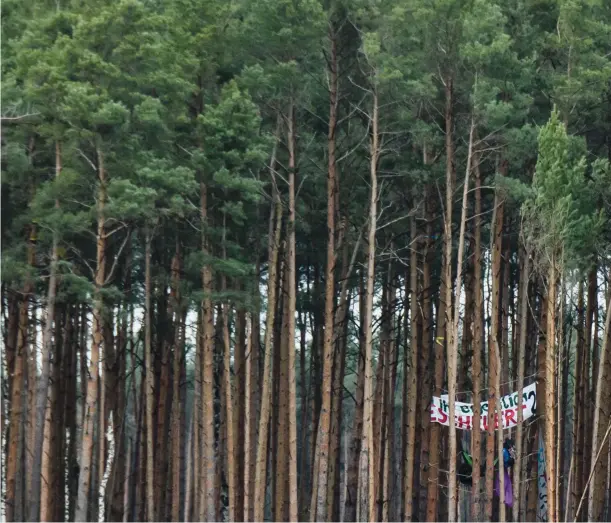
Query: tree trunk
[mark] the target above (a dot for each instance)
(379, 407)
(493, 364)
(517, 467)
(318, 511)
(425, 385)
(150, 382)
(444, 306)
(352, 466)
(389, 395)
(292, 299)
(452, 320)
(43, 383)
(71, 413)
(52, 488)
(178, 352)
(251, 412)
(339, 343)
(588, 396)
(14, 466)
(263, 439)
(366, 490)
(231, 476)
(602, 413)
(240, 423)
(550, 393)
(411, 377)
(578, 408)
(207, 501)
(478, 344)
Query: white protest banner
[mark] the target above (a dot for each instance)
(463, 415)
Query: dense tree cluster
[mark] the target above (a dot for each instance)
(245, 243)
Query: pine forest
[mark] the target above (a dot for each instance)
(306, 260)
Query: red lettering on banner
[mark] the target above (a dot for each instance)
(463, 422)
(443, 416)
(509, 415)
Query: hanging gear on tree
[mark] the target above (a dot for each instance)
(465, 468)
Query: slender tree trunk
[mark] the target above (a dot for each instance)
(379, 408)
(318, 511)
(434, 440)
(560, 400)
(339, 342)
(150, 382)
(31, 392)
(292, 299)
(71, 414)
(493, 367)
(43, 383)
(250, 401)
(411, 377)
(352, 466)
(14, 467)
(10, 337)
(517, 467)
(196, 419)
(588, 370)
(602, 413)
(452, 320)
(162, 395)
(425, 367)
(190, 473)
(305, 418)
(550, 393)
(52, 488)
(263, 439)
(578, 407)
(279, 404)
(387, 469)
(478, 344)
(19, 335)
(231, 476)
(178, 351)
(208, 493)
(366, 490)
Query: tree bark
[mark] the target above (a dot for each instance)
(517, 467)
(292, 299)
(411, 377)
(366, 490)
(454, 320)
(150, 382)
(231, 476)
(178, 357)
(318, 511)
(478, 343)
(43, 383)
(425, 385)
(90, 407)
(208, 493)
(263, 439)
(352, 466)
(550, 393)
(602, 412)
(339, 343)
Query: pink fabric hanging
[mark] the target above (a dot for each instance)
(508, 488)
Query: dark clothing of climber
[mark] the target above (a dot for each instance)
(465, 463)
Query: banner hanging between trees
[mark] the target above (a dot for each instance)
(463, 415)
